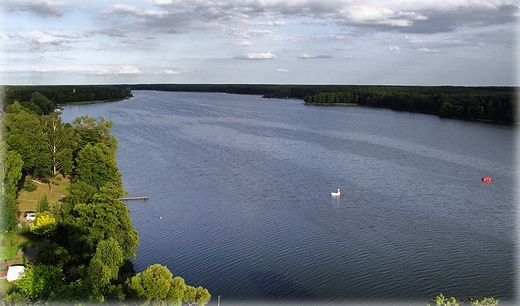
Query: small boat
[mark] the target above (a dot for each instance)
(486, 179)
(336, 194)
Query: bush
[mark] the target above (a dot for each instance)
(29, 186)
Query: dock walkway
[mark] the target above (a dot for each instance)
(142, 197)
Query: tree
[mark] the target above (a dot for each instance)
(441, 300)
(46, 105)
(45, 225)
(39, 281)
(59, 144)
(76, 291)
(485, 301)
(43, 204)
(153, 284)
(91, 223)
(11, 171)
(176, 294)
(24, 134)
(50, 253)
(87, 130)
(105, 263)
(96, 166)
(198, 296)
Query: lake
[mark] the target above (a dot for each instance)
(239, 198)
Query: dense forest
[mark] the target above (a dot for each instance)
(478, 103)
(496, 104)
(86, 240)
(43, 100)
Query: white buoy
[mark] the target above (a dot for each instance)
(336, 194)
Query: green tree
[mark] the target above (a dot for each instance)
(43, 204)
(78, 291)
(96, 166)
(484, 301)
(59, 143)
(11, 171)
(441, 300)
(87, 130)
(105, 263)
(91, 223)
(39, 281)
(153, 284)
(46, 105)
(176, 294)
(52, 254)
(24, 134)
(196, 296)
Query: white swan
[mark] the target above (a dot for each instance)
(336, 194)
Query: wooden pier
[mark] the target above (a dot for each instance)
(142, 197)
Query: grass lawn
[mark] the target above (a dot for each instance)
(27, 200)
(8, 252)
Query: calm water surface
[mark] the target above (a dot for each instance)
(243, 188)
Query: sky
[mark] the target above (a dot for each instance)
(365, 42)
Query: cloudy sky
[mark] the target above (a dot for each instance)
(402, 42)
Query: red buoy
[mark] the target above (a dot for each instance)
(486, 179)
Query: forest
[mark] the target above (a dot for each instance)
(497, 104)
(43, 100)
(85, 241)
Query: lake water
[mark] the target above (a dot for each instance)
(243, 188)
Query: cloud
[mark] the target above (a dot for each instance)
(246, 18)
(168, 71)
(88, 69)
(428, 50)
(38, 40)
(395, 48)
(256, 56)
(282, 70)
(245, 43)
(306, 56)
(44, 8)
(128, 69)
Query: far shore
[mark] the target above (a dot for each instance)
(331, 104)
(93, 102)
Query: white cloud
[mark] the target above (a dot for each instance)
(263, 55)
(91, 69)
(424, 49)
(128, 69)
(53, 38)
(123, 10)
(282, 70)
(168, 71)
(245, 43)
(307, 56)
(395, 48)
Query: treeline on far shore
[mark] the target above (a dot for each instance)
(491, 103)
(44, 99)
